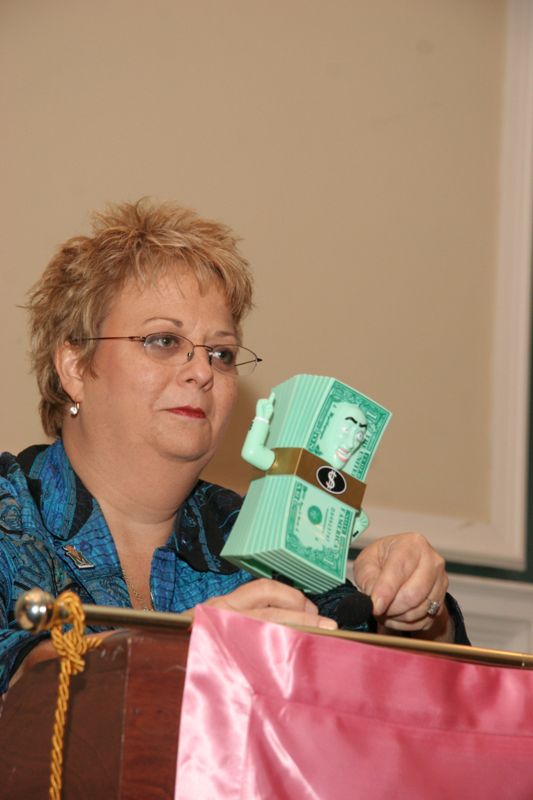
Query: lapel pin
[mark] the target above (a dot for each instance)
(78, 558)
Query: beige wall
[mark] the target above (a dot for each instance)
(354, 145)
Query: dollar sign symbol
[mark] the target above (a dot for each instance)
(331, 480)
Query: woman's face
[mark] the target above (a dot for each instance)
(176, 411)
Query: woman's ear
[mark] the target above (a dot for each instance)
(70, 373)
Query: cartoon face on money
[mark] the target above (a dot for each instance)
(344, 434)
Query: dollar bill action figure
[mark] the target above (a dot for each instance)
(313, 440)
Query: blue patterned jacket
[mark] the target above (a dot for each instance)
(45, 512)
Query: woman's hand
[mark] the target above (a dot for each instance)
(404, 575)
(273, 601)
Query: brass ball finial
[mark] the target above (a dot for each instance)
(34, 610)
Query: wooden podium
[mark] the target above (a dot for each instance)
(122, 726)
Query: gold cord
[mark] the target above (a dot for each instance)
(71, 646)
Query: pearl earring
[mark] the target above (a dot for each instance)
(74, 409)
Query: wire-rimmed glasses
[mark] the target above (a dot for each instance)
(173, 349)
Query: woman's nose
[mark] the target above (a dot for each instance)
(199, 365)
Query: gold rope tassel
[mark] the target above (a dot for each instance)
(71, 647)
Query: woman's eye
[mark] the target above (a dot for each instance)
(165, 341)
(225, 355)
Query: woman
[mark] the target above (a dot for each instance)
(136, 334)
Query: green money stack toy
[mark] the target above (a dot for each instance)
(313, 441)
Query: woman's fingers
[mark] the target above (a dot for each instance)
(273, 601)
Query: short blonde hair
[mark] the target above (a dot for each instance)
(130, 242)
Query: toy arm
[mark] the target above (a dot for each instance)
(254, 450)
(361, 523)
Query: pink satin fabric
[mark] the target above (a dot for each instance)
(271, 712)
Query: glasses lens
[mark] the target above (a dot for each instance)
(168, 347)
(224, 358)
(174, 349)
(234, 360)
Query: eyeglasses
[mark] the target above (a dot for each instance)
(169, 348)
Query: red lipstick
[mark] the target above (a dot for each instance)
(188, 411)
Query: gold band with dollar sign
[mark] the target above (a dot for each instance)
(300, 462)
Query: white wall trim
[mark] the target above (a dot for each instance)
(513, 288)
(501, 540)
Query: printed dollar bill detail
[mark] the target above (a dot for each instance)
(377, 419)
(296, 403)
(318, 531)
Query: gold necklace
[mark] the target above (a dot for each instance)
(131, 586)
